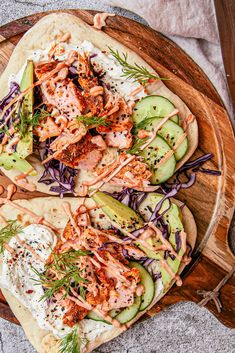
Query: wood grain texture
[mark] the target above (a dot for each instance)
(225, 13)
(211, 199)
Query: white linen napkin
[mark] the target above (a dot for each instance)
(192, 25)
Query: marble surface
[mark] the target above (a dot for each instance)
(183, 328)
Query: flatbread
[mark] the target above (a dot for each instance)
(43, 34)
(50, 208)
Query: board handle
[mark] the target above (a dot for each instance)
(202, 280)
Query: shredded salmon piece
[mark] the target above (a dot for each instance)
(118, 132)
(47, 128)
(59, 91)
(84, 154)
(89, 83)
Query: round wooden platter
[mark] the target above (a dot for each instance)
(211, 199)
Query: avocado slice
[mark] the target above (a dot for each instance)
(13, 161)
(119, 213)
(125, 217)
(25, 145)
(173, 217)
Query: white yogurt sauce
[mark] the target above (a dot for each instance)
(18, 276)
(105, 61)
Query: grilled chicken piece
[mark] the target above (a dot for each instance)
(83, 154)
(60, 92)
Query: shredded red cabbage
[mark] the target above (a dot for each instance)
(197, 163)
(56, 172)
(13, 92)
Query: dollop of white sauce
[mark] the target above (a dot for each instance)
(19, 278)
(101, 61)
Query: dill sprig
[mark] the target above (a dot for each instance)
(136, 147)
(72, 342)
(65, 264)
(136, 72)
(29, 122)
(92, 121)
(7, 232)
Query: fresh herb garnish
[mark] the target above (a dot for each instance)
(7, 232)
(72, 342)
(136, 147)
(136, 72)
(29, 122)
(65, 265)
(92, 121)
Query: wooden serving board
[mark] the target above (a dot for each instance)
(211, 199)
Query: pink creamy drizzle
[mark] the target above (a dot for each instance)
(158, 127)
(137, 90)
(108, 318)
(22, 181)
(100, 18)
(12, 143)
(24, 184)
(141, 241)
(38, 219)
(190, 118)
(9, 248)
(29, 248)
(79, 302)
(3, 220)
(11, 189)
(67, 208)
(109, 177)
(119, 160)
(23, 175)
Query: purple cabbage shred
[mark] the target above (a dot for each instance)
(13, 92)
(56, 172)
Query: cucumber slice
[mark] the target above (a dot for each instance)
(130, 312)
(153, 106)
(153, 154)
(171, 133)
(93, 316)
(148, 284)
